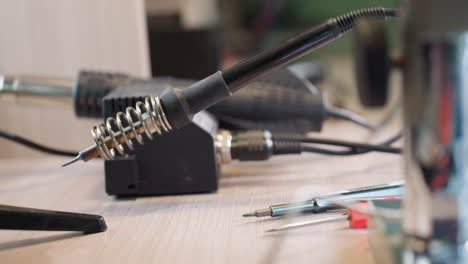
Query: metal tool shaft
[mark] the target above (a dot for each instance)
(36, 85)
(332, 201)
(311, 222)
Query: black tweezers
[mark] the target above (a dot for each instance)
(22, 218)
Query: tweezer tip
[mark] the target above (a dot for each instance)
(75, 159)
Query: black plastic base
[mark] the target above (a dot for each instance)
(182, 161)
(175, 163)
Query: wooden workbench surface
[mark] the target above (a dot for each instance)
(202, 228)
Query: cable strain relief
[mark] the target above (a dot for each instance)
(286, 146)
(347, 21)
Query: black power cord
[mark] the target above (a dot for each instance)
(354, 147)
(36, 146)
(261, 145)
(348, 115)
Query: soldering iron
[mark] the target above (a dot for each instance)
(176, 108)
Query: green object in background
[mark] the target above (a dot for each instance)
(303, 12)
(300, 13)
(297, 15)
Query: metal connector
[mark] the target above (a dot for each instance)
(223, 143)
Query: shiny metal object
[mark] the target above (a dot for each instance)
(36, 85)
(329, 219)
(332, 201)
(436, 121)
(222, 143)
(146, 118)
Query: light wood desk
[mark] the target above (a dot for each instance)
(202, 228)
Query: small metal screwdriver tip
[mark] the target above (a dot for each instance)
(259, 213)
(249, 214)
(75, 159)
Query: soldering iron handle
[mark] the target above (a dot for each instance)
(298, 46)
(285, 52)
(181, 105)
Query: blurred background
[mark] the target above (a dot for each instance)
(184, 39)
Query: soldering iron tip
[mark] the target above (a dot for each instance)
(75, 159)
